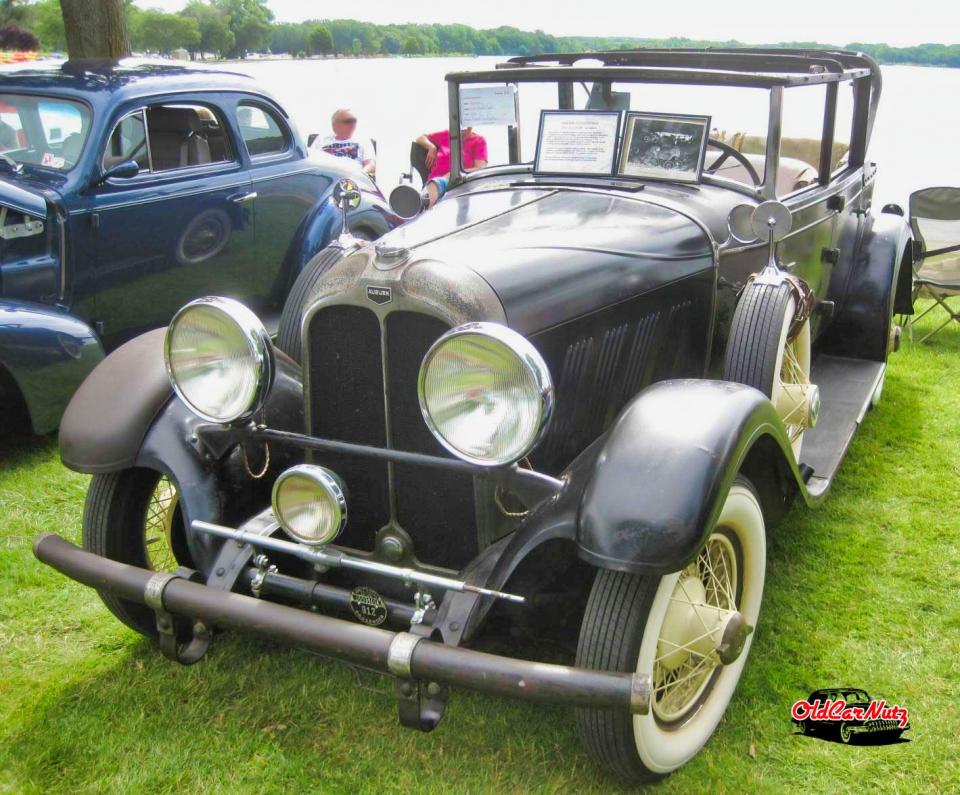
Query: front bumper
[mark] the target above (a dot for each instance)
(402, 654)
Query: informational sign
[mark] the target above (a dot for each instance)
(577, 142)
(481, 105)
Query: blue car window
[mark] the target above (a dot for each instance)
(128, 142)
(43, 131)
(262, 132)
(182, 136)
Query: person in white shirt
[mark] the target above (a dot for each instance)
(345, 143)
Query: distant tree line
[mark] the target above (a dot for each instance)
(236, 28)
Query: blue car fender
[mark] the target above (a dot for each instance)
(47, 354)
(323, 224)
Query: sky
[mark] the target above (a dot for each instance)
(749, 21)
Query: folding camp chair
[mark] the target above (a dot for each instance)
(935, 218)
(418, 164)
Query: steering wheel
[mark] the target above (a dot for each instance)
(727, 152)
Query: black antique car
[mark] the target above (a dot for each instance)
(850, 727)
(570, 398)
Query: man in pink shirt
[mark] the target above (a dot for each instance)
(474, 156)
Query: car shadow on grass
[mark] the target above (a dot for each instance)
(19, 445)
(272, 714)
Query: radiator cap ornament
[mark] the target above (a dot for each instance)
(390, 256)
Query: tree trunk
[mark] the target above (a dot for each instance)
(95, 28)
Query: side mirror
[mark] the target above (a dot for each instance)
(406, 201)
(123, 170)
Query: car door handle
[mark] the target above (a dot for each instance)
(243, 198)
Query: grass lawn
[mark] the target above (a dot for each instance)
(862, 592)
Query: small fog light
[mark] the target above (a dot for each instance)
(309, 503)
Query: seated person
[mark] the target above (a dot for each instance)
(474, 155)
(345, 143)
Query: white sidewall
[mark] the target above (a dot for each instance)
(662, 750)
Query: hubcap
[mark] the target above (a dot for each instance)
(799, 405)
(702, 629)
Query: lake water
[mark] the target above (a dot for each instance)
(915, 139)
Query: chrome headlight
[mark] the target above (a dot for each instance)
(219, 359)
(309, 504)
(485, 393)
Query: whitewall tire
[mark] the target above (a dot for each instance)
(671, 628)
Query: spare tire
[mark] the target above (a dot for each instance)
(763, 354)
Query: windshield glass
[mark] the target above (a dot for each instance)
(735, 116)
(42, 131)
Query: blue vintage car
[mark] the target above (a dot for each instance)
(128, 188)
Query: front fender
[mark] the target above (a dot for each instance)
(129, 394)
(47, 353)
(669, 460)
(142, 424)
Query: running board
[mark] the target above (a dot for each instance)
(847, 387)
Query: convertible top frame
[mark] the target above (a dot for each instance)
(771, 69)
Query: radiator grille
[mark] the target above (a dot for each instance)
(435, 507)
(347, 403)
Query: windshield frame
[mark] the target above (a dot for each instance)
(565, 77)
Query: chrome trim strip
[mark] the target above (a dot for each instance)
(269, 177)
(154, 199)
(146, 137)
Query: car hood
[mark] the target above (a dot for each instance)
(26, 200)
(554, 254)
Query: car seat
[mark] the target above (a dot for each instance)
(176, 138)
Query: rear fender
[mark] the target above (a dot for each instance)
(870, 286)
(322, 225)
(660, 479)
(48, 354)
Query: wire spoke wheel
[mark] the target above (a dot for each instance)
(702, 599)
(690, 631)
(158, 526)
(134, 516)
(791, 393)
(763, 353)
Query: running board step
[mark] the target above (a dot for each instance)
(847, 387)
